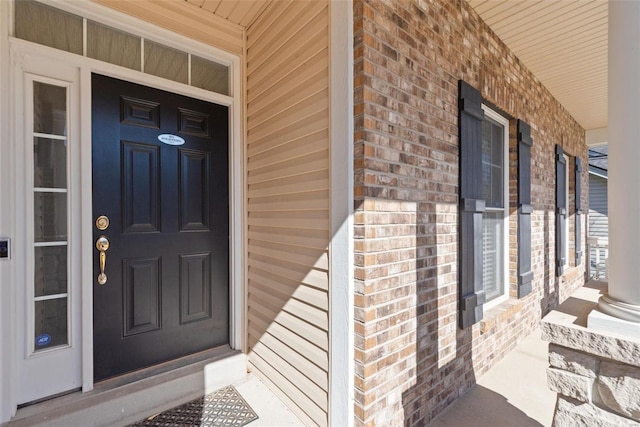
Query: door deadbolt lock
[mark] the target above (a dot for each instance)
(102, 222)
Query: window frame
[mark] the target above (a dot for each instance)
(493, 115)
(566, 220)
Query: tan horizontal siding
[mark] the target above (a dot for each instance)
(287, 390)
(288, 203)
(184, 18)
(258, 327)
(310, 22)
(289, 63)
(318, 122)
(291, 149)
(298, 202)
(301, 274)
(305, 293)
(295, 183)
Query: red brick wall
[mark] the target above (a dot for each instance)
(412, 360)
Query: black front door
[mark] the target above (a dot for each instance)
(160, 175)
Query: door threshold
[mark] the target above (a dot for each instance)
(161, 368)
(128, 398)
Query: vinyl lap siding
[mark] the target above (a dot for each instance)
(598, 211)
(288, 203)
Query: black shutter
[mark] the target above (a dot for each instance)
(578, 212)
(525, 209)
(470, 290)
(561, 209)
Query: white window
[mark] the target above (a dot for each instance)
(50, 206)
(495, 191)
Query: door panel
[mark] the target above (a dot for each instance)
(140, 187)
(167, 291)
(194, 190)
(195, 287)
(141, 295)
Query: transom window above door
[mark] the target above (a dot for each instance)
(46, 25)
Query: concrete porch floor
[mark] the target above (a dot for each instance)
(512, 393)
(271, 411)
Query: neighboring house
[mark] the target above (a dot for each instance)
(598, 209)
(366, 204)
(598, 233)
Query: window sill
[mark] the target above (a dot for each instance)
(500, 315)
(572, 272)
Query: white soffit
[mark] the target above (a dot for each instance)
(564, 43)
(241, 12)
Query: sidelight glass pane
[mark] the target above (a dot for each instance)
(50, 109)
(45, 25)
(50, 163)
(209, 75)
(163, 61)
(50, 323)
(493, 257)
(50, 270)
(113, 46)
(50, 212)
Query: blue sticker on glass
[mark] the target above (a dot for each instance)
(42, 340)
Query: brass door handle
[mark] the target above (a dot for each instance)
(102, 244)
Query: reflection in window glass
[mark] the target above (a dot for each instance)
(493, 224)
(50, 109)
(50, 217)
(492, 164)
(48, 26)
(493, 257)
(165, 62)
(50, 163)
(50, 270)
(110, 45)
(209, 75)
(51, 323)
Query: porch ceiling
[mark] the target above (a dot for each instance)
(564, 43)
(241, 12)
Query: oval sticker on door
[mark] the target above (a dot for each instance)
(42, 340)
(169, 139)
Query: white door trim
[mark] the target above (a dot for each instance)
(7, 196)
(10, 270)
(341, 279)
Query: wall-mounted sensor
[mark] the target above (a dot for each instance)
(4, 248)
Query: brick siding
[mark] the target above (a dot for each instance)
(412, 360)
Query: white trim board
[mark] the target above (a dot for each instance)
(7, 267)
(341, 276)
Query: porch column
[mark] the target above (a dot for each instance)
(623, 298)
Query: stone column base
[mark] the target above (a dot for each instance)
(619, 309)
(595, 373)
(605, 323)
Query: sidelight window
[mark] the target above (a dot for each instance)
(50, 294)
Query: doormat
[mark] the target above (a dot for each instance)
(222, 408)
